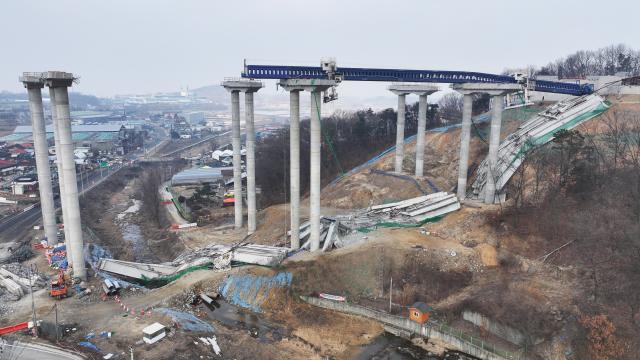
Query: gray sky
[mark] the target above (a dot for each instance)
(139, 46)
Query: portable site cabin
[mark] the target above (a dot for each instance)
(154, 333)
(419, 312)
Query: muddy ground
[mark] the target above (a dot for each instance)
(127, 235)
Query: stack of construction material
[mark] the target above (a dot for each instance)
(341, 230)
(538, 131)
(57, 257)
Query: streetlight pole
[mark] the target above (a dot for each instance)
(81, 180)
(33, 269)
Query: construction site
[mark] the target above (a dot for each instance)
(505, 227)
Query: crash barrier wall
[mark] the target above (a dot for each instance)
(181, 209)
(456, 338)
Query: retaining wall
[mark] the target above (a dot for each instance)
(503, 331)
(455, 338)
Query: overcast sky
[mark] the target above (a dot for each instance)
(140, 46)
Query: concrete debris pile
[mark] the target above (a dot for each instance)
(16, 281)
(342, 230)
(6, 250)
(538, 131)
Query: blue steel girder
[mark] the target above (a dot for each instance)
(402, 75)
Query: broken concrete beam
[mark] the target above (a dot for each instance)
(303, 226)
(260, 254)
(441, 202)
(328, 240)
(135, 270)
(406, 203)
(35, 279)
(11, 286)
(438, 212)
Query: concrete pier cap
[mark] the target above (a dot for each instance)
(242, 85)
(492, 89)
(58, 78)
(412, 88)
(307, 84)
(32, 79)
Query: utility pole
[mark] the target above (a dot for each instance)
(390, 293)
(81, 180)
(57, 334)
(131, 351)
(33, 269)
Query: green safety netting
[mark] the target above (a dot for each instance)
(164, 280)
(390, 224)
(543, 139)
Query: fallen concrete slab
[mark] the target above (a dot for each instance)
(260, 254)
(134, 270)
(11, 286)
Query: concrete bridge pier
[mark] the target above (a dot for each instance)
(63, 199)
(315, 87)
(59, 82)
(34, 84)
(497, 91)
(399, 156)
(248, 87)
(422, 90)
(294, 160)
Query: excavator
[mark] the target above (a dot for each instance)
(58, 287)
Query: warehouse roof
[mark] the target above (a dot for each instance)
(74, 128)
(201, 175)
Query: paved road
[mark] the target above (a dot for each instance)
(35, 351)
(195, 144)
(12, 227)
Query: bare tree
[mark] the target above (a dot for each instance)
(450, 107)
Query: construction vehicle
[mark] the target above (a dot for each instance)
(58, 287)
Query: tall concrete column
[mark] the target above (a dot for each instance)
(59, 82)
(494, 144)
(235, 86)
(314, 191)
(251, 162)
(237, 157)
(294, 160)
(42, 160)
(465, 137)
(56, 137)
(422, 126)
(400, 134)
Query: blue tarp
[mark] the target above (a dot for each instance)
(249, 291)
(89, 345)
(187, 321)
